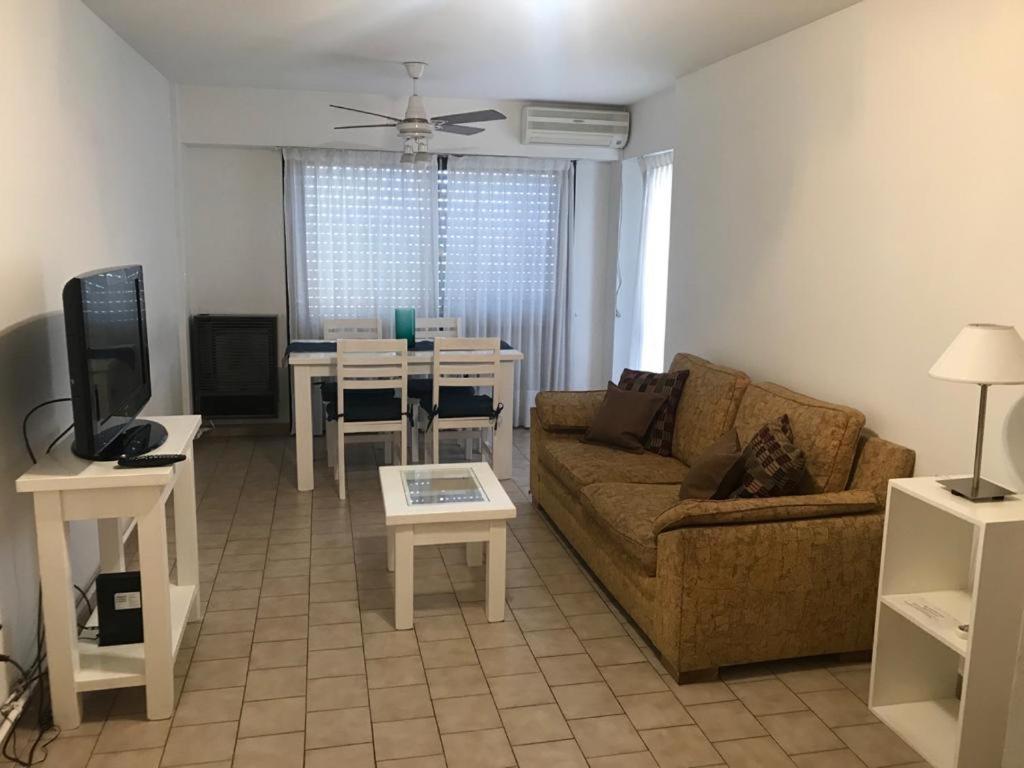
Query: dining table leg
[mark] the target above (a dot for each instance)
(302, 382)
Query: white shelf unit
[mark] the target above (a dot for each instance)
(66, 488)
(946, 562)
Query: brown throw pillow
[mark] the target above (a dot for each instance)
(717, 472)
(670, 384)
(772, 464)
(623, 418)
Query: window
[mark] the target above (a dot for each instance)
(645, 213)
(367, 231)
(648, 349)
(481, 238)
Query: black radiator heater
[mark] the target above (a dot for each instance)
(234, 366)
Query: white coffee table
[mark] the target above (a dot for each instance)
(432, 504)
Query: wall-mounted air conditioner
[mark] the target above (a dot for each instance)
(582, 126)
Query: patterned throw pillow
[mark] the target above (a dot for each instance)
(659, 434)
(772, 464)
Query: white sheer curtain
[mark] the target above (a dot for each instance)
(647, 326)
(361, 234)
(505, 228)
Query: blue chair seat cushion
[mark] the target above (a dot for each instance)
(361, 408)
(461, 405)
(329, 393)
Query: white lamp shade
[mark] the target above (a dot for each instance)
(983, 354)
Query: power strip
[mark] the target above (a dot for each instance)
(14, 705)
(11, 709)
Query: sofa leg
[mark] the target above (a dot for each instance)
(708, 675)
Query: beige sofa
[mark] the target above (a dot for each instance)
(717, 583)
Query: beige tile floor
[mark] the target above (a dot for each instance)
(297, 663)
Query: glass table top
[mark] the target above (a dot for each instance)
(441, 486)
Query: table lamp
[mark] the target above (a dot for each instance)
(981, 354)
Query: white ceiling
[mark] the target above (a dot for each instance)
(601, 51)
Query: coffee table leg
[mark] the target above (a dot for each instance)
(391, 549)
(403, 577)
(475, 553)
(496, 572)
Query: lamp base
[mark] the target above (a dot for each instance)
(987, 491)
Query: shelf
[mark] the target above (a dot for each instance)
(928, 490)
(932, 727)
(124, 666)
(953, 605)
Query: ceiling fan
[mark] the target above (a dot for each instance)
(415, 129)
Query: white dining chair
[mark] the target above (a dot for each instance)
(420, 386)
(372, 396)
(461, 369)
(335, 328)
(438, 327)
(350, 328)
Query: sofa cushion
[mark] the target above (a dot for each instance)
(626, 512)
(708, 406)
(624, 418)
(827, 433)
(717, 472)
(772, 463)
(579, 464)
(660, 433)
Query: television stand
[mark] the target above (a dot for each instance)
(140, 436)
(66, 488)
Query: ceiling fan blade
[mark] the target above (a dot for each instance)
(364, 112)
(370, 125)
(480, 116)
(464, 130)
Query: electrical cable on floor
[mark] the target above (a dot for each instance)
(44, 719)
(36, 673)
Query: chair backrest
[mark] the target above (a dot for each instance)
(373, 364)
(462, 362)
(350, 328)
(438, 327)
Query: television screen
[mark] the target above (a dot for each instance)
(108, 355)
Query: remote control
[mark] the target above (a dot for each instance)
(150, 460)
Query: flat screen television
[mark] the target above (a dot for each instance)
(108, 361)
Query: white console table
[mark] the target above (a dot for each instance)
(947, 562)
(66, 488)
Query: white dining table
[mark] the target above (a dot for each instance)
(307, 366)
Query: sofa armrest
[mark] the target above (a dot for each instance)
(568, 411)
(696, 512)
(879, 461)
(733, 594)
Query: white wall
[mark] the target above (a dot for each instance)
(256, 117)
(654, 124)
(631, 206)
(234, 237)
(847, 197)
(88, 181)
(592, 274)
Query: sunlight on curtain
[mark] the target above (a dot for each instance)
(505, 226)
(647, 343)
(362, 237)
